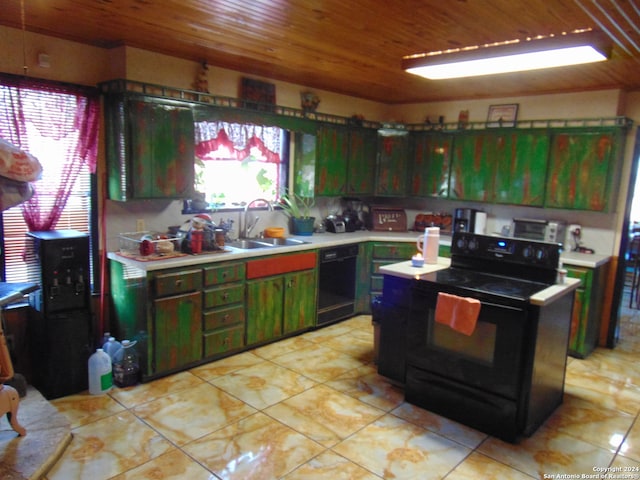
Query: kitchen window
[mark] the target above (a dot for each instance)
(58, 124)
(237, 162)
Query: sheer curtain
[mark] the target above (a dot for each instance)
(35, 111)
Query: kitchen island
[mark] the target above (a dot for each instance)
(483, 342)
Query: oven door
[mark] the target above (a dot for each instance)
(490, 359)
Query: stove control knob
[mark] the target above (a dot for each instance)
(540, 254)
(461, 243)
(527, 252)
(473, 244)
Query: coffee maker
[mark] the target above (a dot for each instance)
(464, 220)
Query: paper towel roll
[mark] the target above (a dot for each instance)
(480, 223)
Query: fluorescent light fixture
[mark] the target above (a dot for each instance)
(511, 56)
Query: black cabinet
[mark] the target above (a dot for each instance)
(391, 313)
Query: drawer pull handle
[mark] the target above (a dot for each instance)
(178, 283)
(226, 318)
(225, 295)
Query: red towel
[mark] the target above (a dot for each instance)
(460, 313)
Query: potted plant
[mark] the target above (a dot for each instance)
(298, 208)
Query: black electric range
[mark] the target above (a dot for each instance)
(507, 375)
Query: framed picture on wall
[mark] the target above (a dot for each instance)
(258, 95)
(502, 115)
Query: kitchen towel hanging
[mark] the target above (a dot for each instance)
(459, 313)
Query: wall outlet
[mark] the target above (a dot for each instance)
(140, 225)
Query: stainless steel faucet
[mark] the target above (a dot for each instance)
(247, 227)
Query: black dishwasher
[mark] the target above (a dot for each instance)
(337, 283)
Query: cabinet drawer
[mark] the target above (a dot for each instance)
(226, 273)
(376, 283)
(281, 264)
(223, 340)
(177, 282)
(223, 317)
(225, 295)
(398, 251)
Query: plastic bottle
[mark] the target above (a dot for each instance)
(100, 376)
(111, 347)
(126, 367)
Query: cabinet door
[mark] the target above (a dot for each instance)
(431, 164)
(161, 150)
(265, 299)
(472, 169)
(393, 160)
(579, 170)
(331, 162)
(362, 161)
(177, 331)
(299, 300)
(521, 166)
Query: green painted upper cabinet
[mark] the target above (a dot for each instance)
(472, 169)
(337, 161)
(150, 148)
(503, 166)
(521, 167)
(362, 160)
(431, 164)
(392, 168)
(331, 160)
(580, 169)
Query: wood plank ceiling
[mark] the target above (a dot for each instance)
(352, 47)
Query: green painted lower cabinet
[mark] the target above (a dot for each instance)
(587, 309)
(264, 309)
(177, 331)
(279, 305)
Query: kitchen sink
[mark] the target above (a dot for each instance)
(280, 242)
(250, 244)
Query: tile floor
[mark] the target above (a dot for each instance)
(313, 407)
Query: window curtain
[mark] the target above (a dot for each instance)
(238, 139)
(30, 109)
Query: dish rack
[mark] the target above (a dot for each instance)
(148, 244)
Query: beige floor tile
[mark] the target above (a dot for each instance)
(477, 466)
(192, 413)
(280, 348)
(394, 448)
(254, 448)
(590, 422)
(318, 362)
(175, 465)
(324, 414)
(548, 452)
(330, 466)
(108, 447)
(215, 369)
(83, 408)
(366, 385)
(443, 426)
(263, 384)
(631, 445)
(146, 392)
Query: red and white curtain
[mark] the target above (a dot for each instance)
(238, 139)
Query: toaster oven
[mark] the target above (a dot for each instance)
(553, 231)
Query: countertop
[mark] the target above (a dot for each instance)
(544, 297)
(322, 240)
